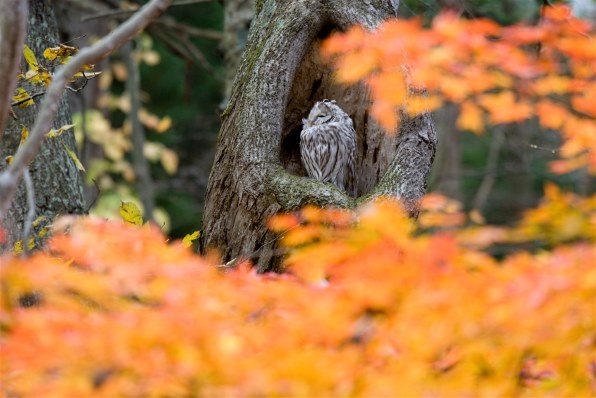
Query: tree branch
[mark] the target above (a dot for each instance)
(49, 106)
(13, 26)
(124, 13)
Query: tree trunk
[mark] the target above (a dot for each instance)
(57, 182)
(238, 15)
(446, 175)
(257, 170)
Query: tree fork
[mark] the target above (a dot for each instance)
(257, 171)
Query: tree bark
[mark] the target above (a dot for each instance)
(257, 170)
(56, 180)
(238, 15)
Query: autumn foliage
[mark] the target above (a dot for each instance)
(372, 303)
(367, 308)
(495, 74)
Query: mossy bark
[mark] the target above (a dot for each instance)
(57, 181)
(257, 170)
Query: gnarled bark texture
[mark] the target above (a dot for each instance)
(56, 180)
(257, 170)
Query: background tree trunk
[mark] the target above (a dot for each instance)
(56, 180)
(238, 15)
(257, 170)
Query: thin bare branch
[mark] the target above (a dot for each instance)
(49, 106)
(189, 30)
(13, 26)
(124, 13)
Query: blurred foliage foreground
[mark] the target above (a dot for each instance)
(371, 305)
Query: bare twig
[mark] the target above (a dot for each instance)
(13, 25)
(189, 30)
(29, 98)
(125, 13)
(49, 106)
(31, 212)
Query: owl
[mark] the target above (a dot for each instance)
(328, 146)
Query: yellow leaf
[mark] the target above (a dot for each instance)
(169, 161)
(189, 238)
(38, 220)
(87, 75)
(30, 58)
(131, 213)
(18, 247)
(39, 76)
(164, 125)
(24, 135)
(62, 52)
(21, 96)
(55, 133)
(9, 159)
(74, 157)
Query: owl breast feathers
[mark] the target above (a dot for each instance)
(328, 146)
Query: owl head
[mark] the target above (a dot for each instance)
(324, 112)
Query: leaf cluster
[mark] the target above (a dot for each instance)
(495, 74)
(368, 307)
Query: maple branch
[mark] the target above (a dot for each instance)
(13, 26)
(49, 107)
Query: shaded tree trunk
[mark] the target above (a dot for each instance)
(257, 170)
(56, 180)
(446, 175)
(238, 15)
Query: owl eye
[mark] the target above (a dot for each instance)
(321, 115)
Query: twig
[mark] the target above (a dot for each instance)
(125, 13)
(29, 98)
(13, 25)
(31, 212)
(96, 196)
(49, 106)
(189, 30)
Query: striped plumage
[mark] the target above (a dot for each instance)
(328, 146)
